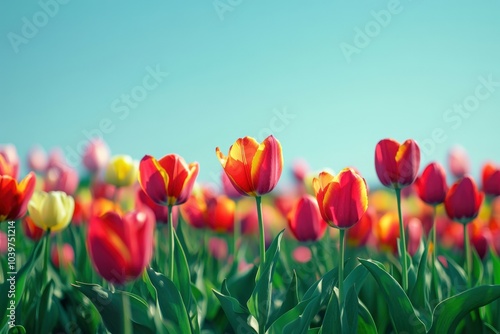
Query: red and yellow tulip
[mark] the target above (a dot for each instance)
(14, 196)
(397, 164)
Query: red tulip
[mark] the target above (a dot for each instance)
(431, 185)
(305, 220)
(342, 199)
(194, 211)
(9, 161)
(121, 247)
(302, 254)
(228, 187)
(61, 178)
(160, 211)
(96, 155)
(415, 232)
(167, 181)
(218, 248)
(32, 231)
(220, 213)
(14, 197)
(67, 255)
(254, 169)
(397, 164)
(359, 234)
(100, 189)
(463, 200)
(491, 180)
(4, 243)
(458, 162)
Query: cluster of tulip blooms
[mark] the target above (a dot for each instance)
(149, 250)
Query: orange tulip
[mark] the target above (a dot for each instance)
(342, 199)
(254, 169)
(397, 164)
(168, 181)
(387, 232)
(220, 213)
(14, 197)
(491, 180)
(463, 200)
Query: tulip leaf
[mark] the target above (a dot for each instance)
(457, 275)
(241, 285)
(20, 278)
(290, 299)
(235, 312)
(331, 320)
(170, 302)
(47, 312)
(356, 277)
(419, 294)
(496, 267)
(110, 306)
(401, 310)
(350, 312)
(366, 324)
(449, 313)
(477, 268)
(182, 276)
(259, 303)
(298, 319)
(17, 330)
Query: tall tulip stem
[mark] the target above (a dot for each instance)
(172, 241)
(236, 237)
(341, 269)
(468, 255)
(45, 275)
(262, 245)
(127, 328)
(402, 242)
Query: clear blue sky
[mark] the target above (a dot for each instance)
(234, 64)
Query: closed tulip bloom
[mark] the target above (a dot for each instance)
(254, 169)
(37, 159)
(431, 185)
(342, 199)
(160, 211)
(463, 200)
(14, 196)
(220, 213)
(9, 161)
(120, 248)
(31, 230)
(168, 181)
(121, 171)
(458, 162)
(397, 164)
(96, 155)
(52, 210)
(61, 178)
(305, 220)
(491, 180)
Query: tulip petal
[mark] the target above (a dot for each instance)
(385, 162)
(267, 165)
(408, 162)
(154, 180)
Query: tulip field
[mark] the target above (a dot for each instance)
(131, 246)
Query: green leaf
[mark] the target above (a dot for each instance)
(290, 300)
(366, 325)
(259, 303)
(17, 330)
(350, 312)
(110, 306)
(449, 313)
(170, 302)
(46, 314)
(477, 268)
(419, 295)
(182, 277)
(496, 267)
(401, 310)
(241, 285)
(457, 275)
(235, 312)
(331, 320)
(20, 281)
(356, 277)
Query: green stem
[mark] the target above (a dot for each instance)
(172, 242)
(468, 255)
(341, 270)
(45, 275)
(127, 325)
(236, 237)
(402, 245)
(262, 245)
(434, 275)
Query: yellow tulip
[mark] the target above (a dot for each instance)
(52, 210)
(122, 171)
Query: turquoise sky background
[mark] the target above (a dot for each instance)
(233, 65)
